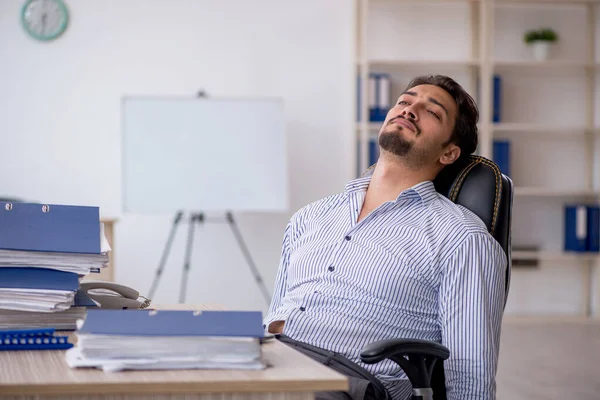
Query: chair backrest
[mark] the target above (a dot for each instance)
(477, 184)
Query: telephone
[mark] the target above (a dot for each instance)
(112, 295)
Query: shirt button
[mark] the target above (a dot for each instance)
(331, 268)
(347, 238)
(302, 308)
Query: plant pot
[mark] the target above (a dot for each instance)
(541, 50)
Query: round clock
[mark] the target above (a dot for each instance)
(44, 19)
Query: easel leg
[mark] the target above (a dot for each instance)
(188, 254)
(165, 255)
(257, 277)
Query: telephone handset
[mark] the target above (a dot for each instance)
(112, 295)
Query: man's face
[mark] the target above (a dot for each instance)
(419, 125)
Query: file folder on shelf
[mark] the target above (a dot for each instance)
(49, 227)
(575, 226)
(32, 339)
(593, 228)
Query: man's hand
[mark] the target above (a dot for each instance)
(276, 327)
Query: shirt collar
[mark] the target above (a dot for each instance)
(424, 191)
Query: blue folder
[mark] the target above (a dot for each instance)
(593, 228)
(575, 227)
(53, 228)
(173, 323)
(38, 278)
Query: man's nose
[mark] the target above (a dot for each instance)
(408, 112)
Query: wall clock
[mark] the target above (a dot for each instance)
(44, 19)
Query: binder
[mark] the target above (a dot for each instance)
(173, 323)
(502, 155)
(593, 228)
(38, 278)
(32, 339)
(384, 88)
(372, 97)
(49, 227)
(575, 228)
(497, 98)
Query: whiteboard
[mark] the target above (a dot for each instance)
(203, 154)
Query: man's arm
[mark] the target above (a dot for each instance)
(471, 307)
(275, 312)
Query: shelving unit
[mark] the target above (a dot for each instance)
(553, 131)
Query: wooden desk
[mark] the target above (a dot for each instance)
(41, 375)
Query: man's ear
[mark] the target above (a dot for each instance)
(451, 154)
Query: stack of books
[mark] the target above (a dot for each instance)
(45, 250)
(116, 340)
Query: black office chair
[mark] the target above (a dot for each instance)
(477, 184)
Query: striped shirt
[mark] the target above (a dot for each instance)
(417, 267)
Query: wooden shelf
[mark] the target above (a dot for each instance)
(553, 256)
(543, 64)
(421, 63)
(538, 128)
(531, 191)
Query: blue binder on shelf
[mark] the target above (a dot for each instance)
(49, 227)
(38, 278)
(593, 228)
(501, 155)
(497, 99)
(173, 323)
(32, 339)
(575, 227)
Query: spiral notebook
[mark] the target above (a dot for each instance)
(32, 339)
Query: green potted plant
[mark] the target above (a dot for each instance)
(540, 40)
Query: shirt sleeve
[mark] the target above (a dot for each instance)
(276, 311)
(471, 299)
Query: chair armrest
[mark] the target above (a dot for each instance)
(382, 349)
(416, 357)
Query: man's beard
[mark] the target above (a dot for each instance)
(395, 143)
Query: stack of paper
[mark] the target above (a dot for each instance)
(61, 320)
(61, 237)
(115, 340)
(44, 252)
(37, 289)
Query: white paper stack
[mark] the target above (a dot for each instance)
(61, 320)
(115, 340)
(79, 263)
(37, 289)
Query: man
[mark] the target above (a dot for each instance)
(392, 258)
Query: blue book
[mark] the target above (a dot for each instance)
(373, 151)
(372, 96)
(52, 228)
(497, 98)
(383, 99)
(593, 228)
(575, 228)
(501, 155)
(38, 278)
(173, 323)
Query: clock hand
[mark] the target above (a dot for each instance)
(44, 17)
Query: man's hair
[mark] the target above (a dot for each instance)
(464, 134)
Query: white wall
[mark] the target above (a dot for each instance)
(551, 96)
(60, 116)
